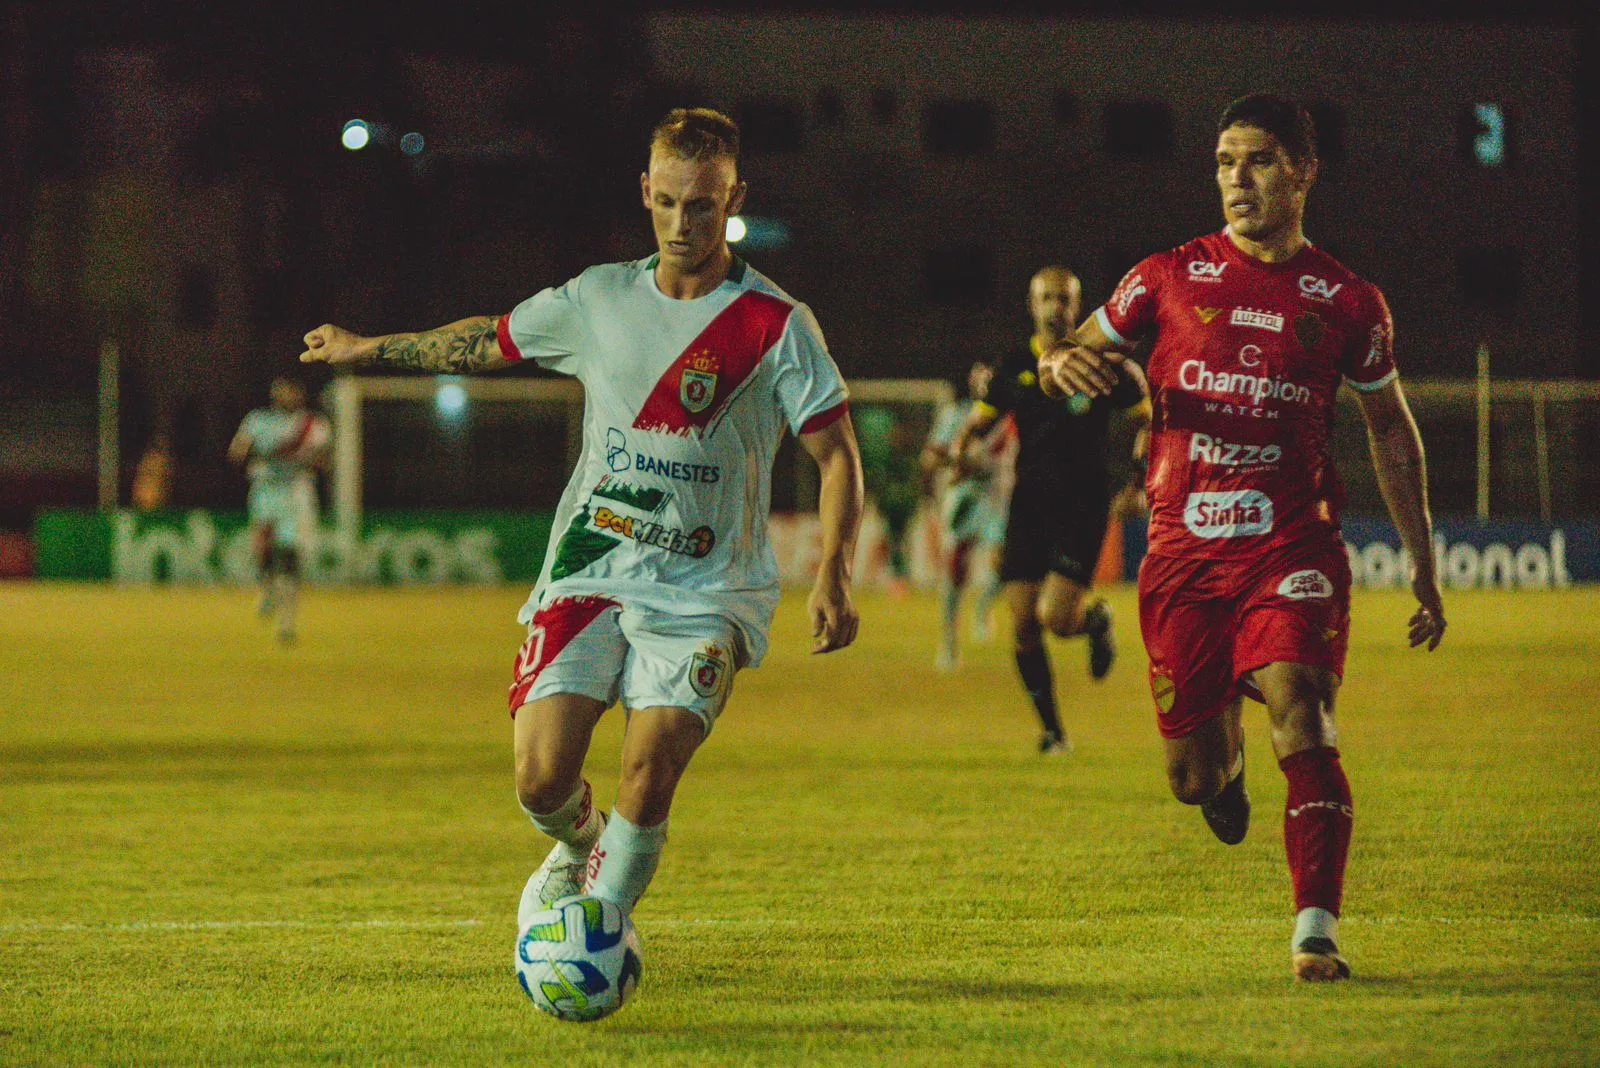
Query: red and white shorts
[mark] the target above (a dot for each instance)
(1208, 624)
(600, 648)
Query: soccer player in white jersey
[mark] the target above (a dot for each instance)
(281, 448)
(659, 583)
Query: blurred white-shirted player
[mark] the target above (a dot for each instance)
(972, 496)
(659, 583)
(281, 448)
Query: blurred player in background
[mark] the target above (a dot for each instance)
(659, 583)
(281, 447)
(972, 492)
(1246, 588)
(889, 470)
(1061, 500)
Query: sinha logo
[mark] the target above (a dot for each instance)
(1306, 586)
(1262, 320)
(1228, 514)
(1129, 291)
(1318, 288)
(617, 450)
(1202, 271)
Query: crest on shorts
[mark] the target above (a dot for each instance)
(1310, 329)
(698, 386)
(706, 669)
(1162, 688)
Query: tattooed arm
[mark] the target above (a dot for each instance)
(460, 348)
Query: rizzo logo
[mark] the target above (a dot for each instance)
(1201, 271)
(1131, 289)
(698, 386)
(1305, 586)
(1318, 288)
(1207, 449)
(1263, 320)
(706, 670)
(1228, 514)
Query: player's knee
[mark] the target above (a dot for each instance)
(1063, 618)
(651, 776)
(1195, 784)
(540, 785)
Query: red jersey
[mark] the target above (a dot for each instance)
(1247, 361)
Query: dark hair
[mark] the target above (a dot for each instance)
(1282, 118)
(696, 133)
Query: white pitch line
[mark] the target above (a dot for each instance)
(1357, 922)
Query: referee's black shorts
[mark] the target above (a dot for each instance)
(1055, 526)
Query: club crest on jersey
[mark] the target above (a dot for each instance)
(1309, 330)
(1207, 314)
(698, 386)
(706, 669)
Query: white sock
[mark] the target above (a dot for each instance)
(1315, 923)
(575, 825)
(624, 861)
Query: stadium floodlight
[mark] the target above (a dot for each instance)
(1489, 145)
(450, 400)
(413, 143)
(757, 232)
(356, 135)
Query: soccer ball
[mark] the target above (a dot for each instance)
(578, 960)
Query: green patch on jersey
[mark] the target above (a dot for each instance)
(580, 547)
(647, 499)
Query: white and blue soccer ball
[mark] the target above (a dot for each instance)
(579, 960)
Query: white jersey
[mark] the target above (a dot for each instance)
(686, 403)
(284, 445)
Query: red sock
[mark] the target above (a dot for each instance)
(1316, 827)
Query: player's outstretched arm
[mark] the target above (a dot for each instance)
(840, 504)
(463, 347)
(1083, 363)
(1403, 477)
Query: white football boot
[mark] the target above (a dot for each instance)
(561, 875)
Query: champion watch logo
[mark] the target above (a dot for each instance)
(698, 386)
(1207, 314)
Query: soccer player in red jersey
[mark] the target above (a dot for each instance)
(1246, 588)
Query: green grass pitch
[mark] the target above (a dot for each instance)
(218, 851)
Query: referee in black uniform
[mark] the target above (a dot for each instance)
(1062, 496)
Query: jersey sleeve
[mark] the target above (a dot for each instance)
(810, 389)
(549, 328)
(947, 424)
(1367, 362)
(1131, 311)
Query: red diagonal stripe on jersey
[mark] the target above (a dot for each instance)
(728, 350)
(302, 433)
(554, 627)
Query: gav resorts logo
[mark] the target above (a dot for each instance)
(1315, 288)
(1202, 271)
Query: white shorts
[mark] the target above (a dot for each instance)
(600, 648)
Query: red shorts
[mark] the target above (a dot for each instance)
(1208, 623)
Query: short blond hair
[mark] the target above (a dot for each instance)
(696, 133)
